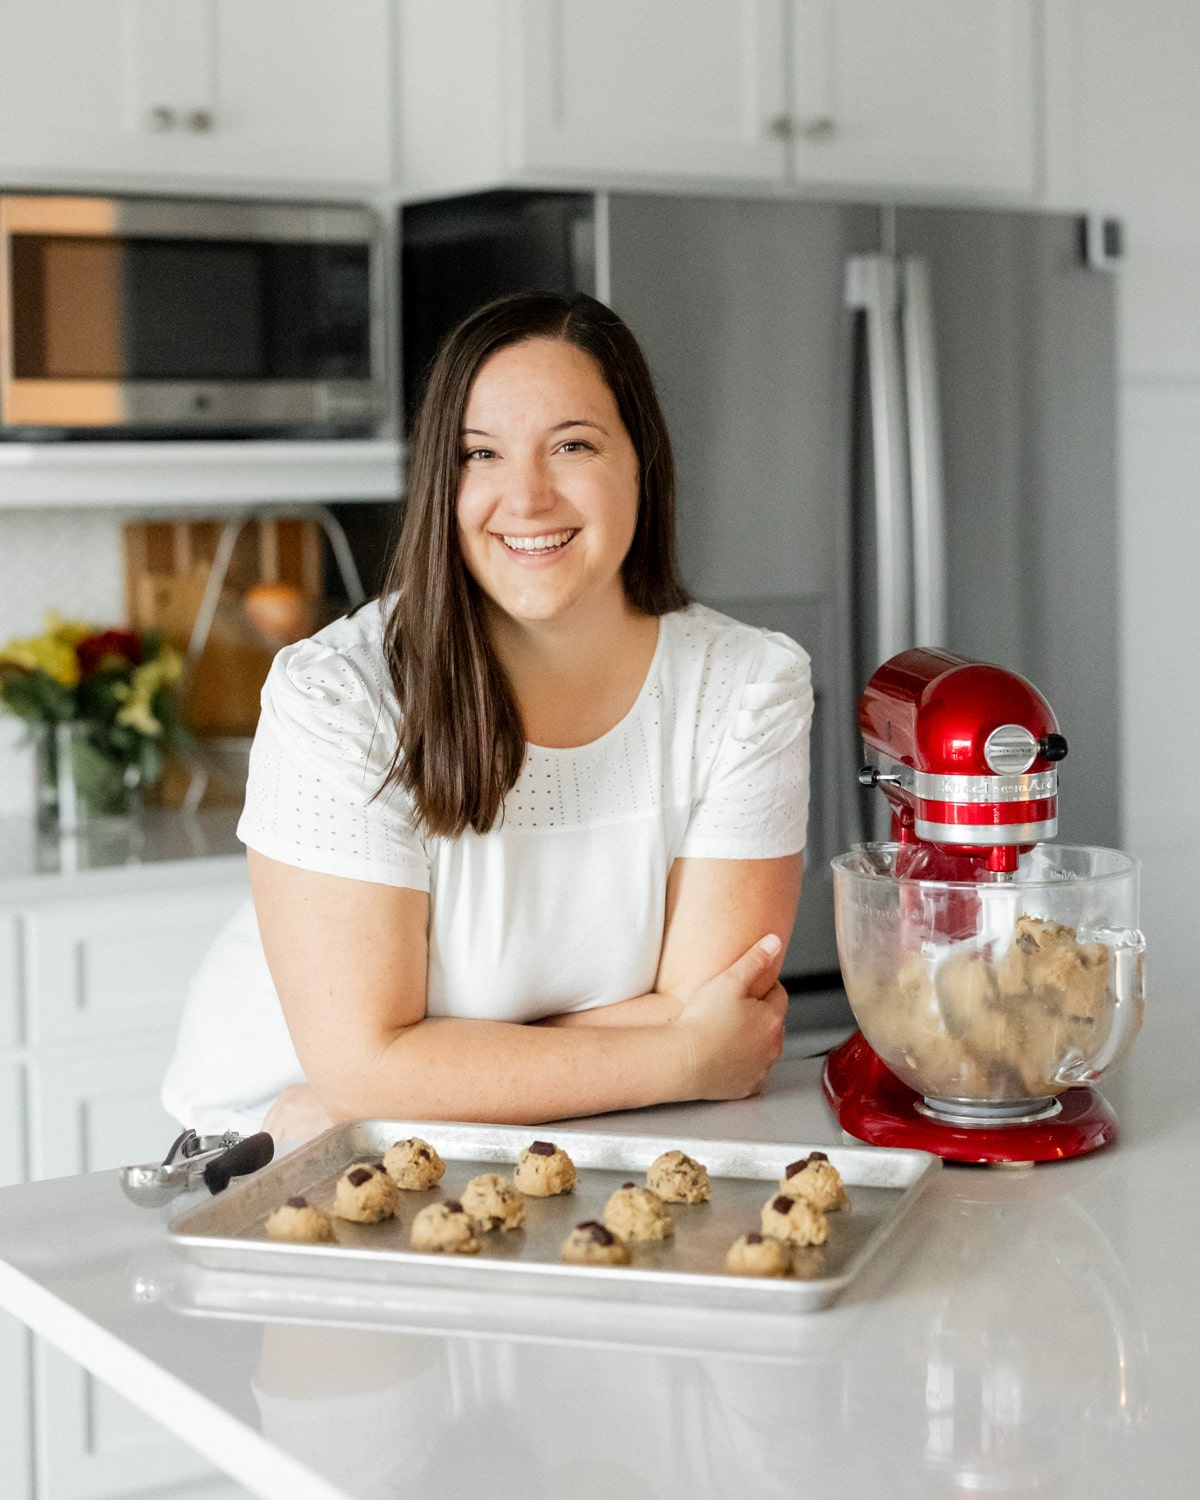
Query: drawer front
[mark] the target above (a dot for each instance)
(10, 980)
(92, 1111)
(100, 965)
(12, 1123)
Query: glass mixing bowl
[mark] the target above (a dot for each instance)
(991, 997)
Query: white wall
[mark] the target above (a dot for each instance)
(55, 559)
(1128, 143)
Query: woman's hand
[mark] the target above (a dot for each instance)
(733, 1026)
(297, 1115)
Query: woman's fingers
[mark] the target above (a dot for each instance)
(755, 971)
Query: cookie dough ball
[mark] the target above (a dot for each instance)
(445, 1229)
(676, 1178)
(493, 1202)
(413, 1164)
(815, 1178)
(794, 1221)
(590, 1244)
(757, 1254)
(635, 1213)
(299, 1223)
(543, 1171)
(366, 1194)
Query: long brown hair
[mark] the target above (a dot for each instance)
(461, 739)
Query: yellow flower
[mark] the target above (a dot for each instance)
(137, 696)
(45, 653)
(71, 631)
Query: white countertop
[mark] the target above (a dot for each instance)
(1023, 1333)
(111, 856)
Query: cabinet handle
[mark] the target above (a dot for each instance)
(161, 118)
(200, 120)
(781, 127)
(820, 129)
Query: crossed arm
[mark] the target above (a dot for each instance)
(349, 959)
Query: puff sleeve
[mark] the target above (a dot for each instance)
(754, 803)
(324, 742)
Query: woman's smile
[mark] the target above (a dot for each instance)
(538, 547)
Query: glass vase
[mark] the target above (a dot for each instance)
(81, 781)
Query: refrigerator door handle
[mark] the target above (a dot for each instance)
(927, 486)
(872, 287)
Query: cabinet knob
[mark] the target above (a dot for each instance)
(200, 120)
(161, 118)
(820, 129)
(781, 127)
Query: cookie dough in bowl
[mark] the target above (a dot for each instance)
(794, 1220)
(366, 1194)
(413, 1164)
(299, 1223)
(756, 1254)
(493, 1202)
(815, 1178)
(445, 1229)
(635, 1213)
(544, 1171)
(676, 1178)
(591, 1244)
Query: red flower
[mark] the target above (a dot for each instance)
(109, 650)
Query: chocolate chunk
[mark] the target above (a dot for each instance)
(1026, 942)
(543, 1148)
(754, 1238)
(359, 1176)
(596, 1232)
(297, 1203)
(454, 1206)
(422, 1153)
(628, 1184)
(793, 1167)
(817, 1156)
(379, 1167)
(782, 1205)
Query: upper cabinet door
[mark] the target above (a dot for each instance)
(674, 88)
(927, 94)
(278, 91)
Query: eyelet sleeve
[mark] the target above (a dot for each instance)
(754, 804)
(321, 753)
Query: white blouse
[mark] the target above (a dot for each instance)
(561, 905)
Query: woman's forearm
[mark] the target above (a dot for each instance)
(451, 1069)
(642, 1010)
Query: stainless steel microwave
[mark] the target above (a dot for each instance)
(173, 317)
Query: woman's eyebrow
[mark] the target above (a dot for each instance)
(579, 422)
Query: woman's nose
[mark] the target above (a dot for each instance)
(530, 489)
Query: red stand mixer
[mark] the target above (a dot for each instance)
(994, 976)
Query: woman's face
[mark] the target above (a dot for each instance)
(548, 493)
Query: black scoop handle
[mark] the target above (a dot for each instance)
(247, 1156)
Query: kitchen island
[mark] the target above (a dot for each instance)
(1031, 1332)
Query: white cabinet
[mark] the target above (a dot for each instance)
(93, 972)
(933, 97)
(618, 86)
(929, 94)
(208, 91)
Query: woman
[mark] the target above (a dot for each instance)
(525, 837)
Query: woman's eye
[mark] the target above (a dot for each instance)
(477, 453)
(575, 445)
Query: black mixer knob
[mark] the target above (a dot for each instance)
(1053, 746)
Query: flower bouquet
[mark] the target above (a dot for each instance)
(101, 708)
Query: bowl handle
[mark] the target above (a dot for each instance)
(1128, 948)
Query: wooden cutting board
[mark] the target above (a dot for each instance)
(167, 565)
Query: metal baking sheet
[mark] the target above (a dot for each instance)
(228, 1231)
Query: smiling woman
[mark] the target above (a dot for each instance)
(526, 833)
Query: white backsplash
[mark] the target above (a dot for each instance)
(68, 560)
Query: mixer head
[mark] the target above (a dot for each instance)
(966, 753)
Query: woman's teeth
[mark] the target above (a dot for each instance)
(548, 543)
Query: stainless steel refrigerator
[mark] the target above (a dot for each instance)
(892, 426)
